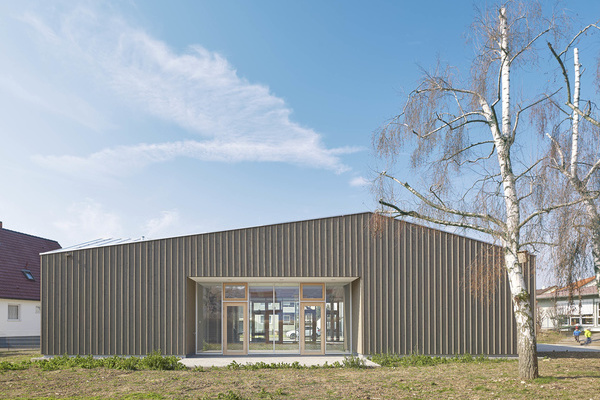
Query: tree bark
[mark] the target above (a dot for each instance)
(592, 213)
(526, 343)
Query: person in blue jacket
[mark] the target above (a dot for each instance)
(576, 334)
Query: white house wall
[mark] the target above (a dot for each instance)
(29, 323)
(588, 306)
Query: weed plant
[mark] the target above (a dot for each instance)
(153, 361)
(419, 360)
(156, 361)
(348, 362)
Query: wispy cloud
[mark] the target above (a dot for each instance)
(162, 225)
(88, 220)
(198, 90)
(127, 159)
(359, 181)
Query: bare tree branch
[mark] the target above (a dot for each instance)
(417, 215)
(442, 207)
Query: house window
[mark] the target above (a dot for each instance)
(587, 319)
(28, 274)
(13, 312)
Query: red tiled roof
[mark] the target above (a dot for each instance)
(539, 292)
(19, 251)
(578, 289)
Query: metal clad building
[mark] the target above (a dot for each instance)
(331, 285)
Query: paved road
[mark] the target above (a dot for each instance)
(569, 345)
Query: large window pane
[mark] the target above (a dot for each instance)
(209, 318)
(262, 328)
(312, 328)
(235, 327)
(287, 318)
(337, 319)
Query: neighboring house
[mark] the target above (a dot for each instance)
(556, 312)
(349, 284)
(20, 287)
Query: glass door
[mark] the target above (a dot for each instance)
(311, 328)
(235, 326)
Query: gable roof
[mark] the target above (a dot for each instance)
(18, 252)
(104, 242)
(550, 289)
(582, 287)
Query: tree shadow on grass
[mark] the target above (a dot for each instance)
(569, 354)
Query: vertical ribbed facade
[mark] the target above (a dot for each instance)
(422, 289)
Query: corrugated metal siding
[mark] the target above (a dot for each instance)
(418, 290)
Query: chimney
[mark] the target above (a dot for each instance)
(0, 224)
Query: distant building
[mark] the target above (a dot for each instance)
(555, 311)
(348, 284)
(20, 309)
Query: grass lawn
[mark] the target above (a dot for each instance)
(562, 376)
(552, 337)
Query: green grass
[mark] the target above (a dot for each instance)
(421, 377)
(420, 360)
(153, 361)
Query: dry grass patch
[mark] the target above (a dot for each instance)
(566, 377)
(551, 337)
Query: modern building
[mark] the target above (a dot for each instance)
(349, 284)
(20, 308)
(565, 307)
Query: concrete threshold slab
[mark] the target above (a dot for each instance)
(223, 361)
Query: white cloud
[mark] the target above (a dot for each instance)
(127, 159)
(88, 220)
(162, 225)
(359, 181)
(198, 90)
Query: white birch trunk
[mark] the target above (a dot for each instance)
(575, 136)
(590, 206)
(526, 343)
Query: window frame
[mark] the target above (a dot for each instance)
(18, 319)
(313, 299)
(28, 274)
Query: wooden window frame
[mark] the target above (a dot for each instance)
(312, 299)
(244, 284)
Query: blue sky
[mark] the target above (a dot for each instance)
(154, 118)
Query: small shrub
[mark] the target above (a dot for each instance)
(157, 361)
(420, 360)
(234, 365)
(14, 366)
(353, 362)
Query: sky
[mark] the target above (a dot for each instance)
(153, 118)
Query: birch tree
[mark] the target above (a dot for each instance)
(467, 143)
(577, 159)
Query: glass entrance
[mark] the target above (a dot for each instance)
(240, 318)
(311, 327)
(235, 328)
(274, 319)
